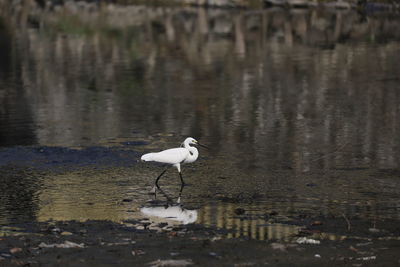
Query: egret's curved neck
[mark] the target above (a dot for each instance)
(194, 153)
(186, 144)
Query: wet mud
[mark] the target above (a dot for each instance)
(102, 243)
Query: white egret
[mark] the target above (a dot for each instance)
(175, 156)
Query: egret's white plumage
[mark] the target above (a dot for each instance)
(175, 156)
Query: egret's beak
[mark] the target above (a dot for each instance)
(203, 145)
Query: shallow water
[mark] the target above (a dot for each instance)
(300, 109)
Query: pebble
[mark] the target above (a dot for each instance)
(66, 233)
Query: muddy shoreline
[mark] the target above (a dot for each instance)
(104, 243)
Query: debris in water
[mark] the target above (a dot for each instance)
(305, 240)
(66, 244)
(178, 263)
(367, 258)
(317, 256)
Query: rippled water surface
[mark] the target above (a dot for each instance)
(301, 110)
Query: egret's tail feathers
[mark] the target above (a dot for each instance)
(147, 157)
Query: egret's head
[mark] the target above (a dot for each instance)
(190, 141)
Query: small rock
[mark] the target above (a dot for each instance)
(317, 256)
(367, 258)
(15, 250)
(374, 230)
(278, 246)
(137, 252)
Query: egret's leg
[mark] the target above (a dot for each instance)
(178, 166)
(158, 178)
(180, 191)
(180, 194)
(183, 183)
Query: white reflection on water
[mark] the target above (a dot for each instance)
(171, 212)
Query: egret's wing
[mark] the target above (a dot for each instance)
(171, 156)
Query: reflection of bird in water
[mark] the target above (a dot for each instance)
(170, 210)
(175, 156)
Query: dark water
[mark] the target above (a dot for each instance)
(300, 108)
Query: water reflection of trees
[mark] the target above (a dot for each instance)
(301, 87)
